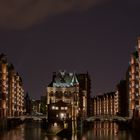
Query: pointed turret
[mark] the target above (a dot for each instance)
(74, 80)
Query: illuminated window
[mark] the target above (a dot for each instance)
(132, 69)
(133, 77)
(137, 77)
(137, 86)
(62, 108)
(62, 115)
(133, 90)
(132, 60)
(53, 107)
(55, 124)
(133, 84)
(56, 108)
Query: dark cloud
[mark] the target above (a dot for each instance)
(18, 14)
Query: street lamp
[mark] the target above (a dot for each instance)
(62, 115)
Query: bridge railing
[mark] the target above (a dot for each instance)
(108, 117)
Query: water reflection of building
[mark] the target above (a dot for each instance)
(11, 90)
(67, 96)
(101, 129)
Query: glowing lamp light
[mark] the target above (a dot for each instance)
(62, 116)
(55, 124)
(53, 107)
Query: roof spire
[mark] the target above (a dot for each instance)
(74, 80)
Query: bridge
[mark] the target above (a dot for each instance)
(107, 118)
(90, 119)
(33, 117)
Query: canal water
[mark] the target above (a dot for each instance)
(97, 131)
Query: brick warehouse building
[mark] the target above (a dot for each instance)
(11, 90)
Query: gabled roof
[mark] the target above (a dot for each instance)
(63, 79)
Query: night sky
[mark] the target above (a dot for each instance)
(43, 36)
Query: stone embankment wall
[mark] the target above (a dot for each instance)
(6, 124)
(3, 125)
